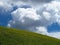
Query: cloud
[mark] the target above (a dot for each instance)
(33, 3)
(25, 17)
(36, 1)
(51, 11)
(5, 6)
(42, 30)
(28, 18)
(57, 18)
(29, 13)
(47, 15)
(54, 34)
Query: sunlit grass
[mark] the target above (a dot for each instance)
(9, 36)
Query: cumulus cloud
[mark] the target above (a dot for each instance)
(55, 9)
(25, 13)
(25, 17)
(5, 6)
(42, 30)
(57, 18)
(29, 17)
(54, 34)
(47, 15)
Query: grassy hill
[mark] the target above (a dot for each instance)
(9, 36)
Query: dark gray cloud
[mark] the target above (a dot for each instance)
(31, 2)
(34, 0)
(44, 1)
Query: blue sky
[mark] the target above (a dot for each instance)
(54, 27)
(4, 18)
(38, 16)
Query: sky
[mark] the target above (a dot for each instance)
(39, 16)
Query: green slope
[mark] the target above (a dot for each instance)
(9, 36)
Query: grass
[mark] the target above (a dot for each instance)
(10, 36)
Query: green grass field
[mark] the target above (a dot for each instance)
(9, 36)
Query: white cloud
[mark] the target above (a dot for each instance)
(51, 12)
(5, 6)
(54, 34)
(25, 16)
(47, 15)
(54, 5)
(57, 16)
(9, 25)
(42, 30)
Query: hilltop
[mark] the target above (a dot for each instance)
(10, 36)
